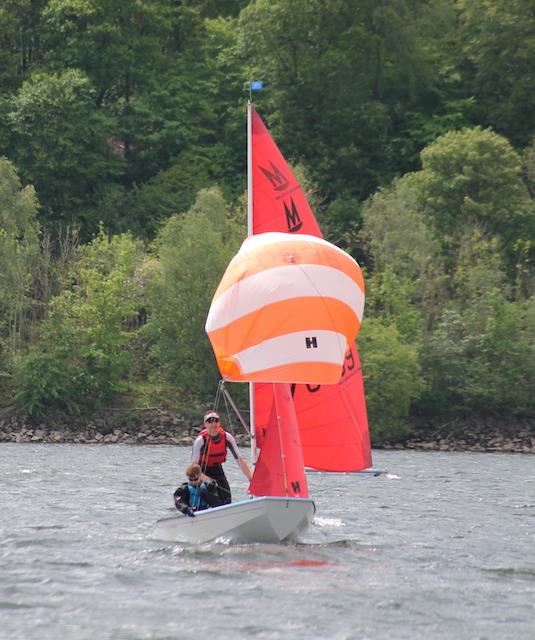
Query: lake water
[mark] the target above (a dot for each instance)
(442, 547)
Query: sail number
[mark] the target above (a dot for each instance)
(349, 365)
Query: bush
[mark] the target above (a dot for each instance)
(194, 251)
(392, 379)
(482, 363)
(80, 358)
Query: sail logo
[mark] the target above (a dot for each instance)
(296, 486)
(293, 220)
(278, 180)
(311, 343)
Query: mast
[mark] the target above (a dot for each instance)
(250, 233)
(249, 168)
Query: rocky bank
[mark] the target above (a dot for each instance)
(158, 426)
(139, 426)
(508, 435)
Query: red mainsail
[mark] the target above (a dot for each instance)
(279, 203)
(332, 419)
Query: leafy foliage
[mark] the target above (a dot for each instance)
(498, 39)
(80, 359)
(64, 145)
(193, 251)
(392, 379)
(490, 371)
(474, 176)
(18, 252)
(409, 124)
(355, 90)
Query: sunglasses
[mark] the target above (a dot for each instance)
(193, 478)
(210, 420)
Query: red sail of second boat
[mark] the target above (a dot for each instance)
(332, 418)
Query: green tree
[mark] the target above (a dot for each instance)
(481, 368)
(392, 378)
(20, 36)
(405, 258)
(63, 146)
(118, 44)
(152, 203)
(479, 357)
(81, 358)
(472, 177)
(499, 41)
(193, 251)
(19, 248)
(355, 90)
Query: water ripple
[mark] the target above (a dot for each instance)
(428, 551)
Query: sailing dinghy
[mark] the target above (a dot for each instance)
(284, 318)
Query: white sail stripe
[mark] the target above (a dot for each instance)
(274, 237)
(287, 282)
(291, 349)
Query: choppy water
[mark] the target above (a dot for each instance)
(443, 547)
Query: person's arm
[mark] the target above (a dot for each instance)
(181, 497)
(211, 494)
(245, 468)
(196, 451)
(231, 444)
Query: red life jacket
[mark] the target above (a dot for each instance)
(213, 453)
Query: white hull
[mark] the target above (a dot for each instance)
(267, 520)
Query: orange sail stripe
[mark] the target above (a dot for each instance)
(283, 253)
(281, 318)
(302, 372)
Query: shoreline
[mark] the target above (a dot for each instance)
(488, 435)
(157, 426)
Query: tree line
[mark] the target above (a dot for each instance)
(122, 131)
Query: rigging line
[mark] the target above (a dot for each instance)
(215, 407)
(217, 400)
(228, 415)
(236, 410)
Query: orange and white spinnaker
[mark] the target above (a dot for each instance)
(286, 310)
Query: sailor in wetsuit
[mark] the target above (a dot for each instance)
(210, 451)
(196, 495)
